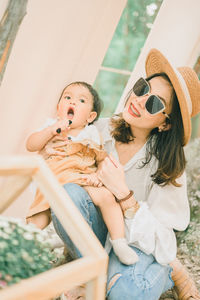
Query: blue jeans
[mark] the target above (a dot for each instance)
(146, 279)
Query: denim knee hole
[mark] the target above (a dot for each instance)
(113, 280)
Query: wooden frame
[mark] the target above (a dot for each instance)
(90, 269)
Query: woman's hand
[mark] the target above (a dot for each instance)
(111, 174)
(92, 180)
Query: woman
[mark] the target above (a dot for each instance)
(146, 142)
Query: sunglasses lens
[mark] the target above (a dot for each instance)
(154, 105)
(141, 87)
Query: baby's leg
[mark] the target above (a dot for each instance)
(113, 218)
(41, 220)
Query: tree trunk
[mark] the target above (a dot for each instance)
(9, 26)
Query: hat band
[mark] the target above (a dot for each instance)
(185, 90)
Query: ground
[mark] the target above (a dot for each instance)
(193, 265)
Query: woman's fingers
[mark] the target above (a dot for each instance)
(108, 166)
(76, 293)
(60, 153)
(111, 174)
(91, 180)
(113, 160)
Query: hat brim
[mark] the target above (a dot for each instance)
(157, 63)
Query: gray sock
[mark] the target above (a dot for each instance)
(125, 253)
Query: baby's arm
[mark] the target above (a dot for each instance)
(37, 140)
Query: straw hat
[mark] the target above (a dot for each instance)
(186, 85)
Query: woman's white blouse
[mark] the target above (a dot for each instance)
(162, 209)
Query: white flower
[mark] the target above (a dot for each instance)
(28, 236)
(32, 228)
(8, 230)
(151, 8)
(40, 238)
(4, 223)
(3, 245)
(149, 25)
(15, 242)
(5, 236)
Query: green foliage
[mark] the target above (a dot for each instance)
(23, 251)
(189, 240)
(110, 86)
(124, 49)
(131, 33)
(193, 177)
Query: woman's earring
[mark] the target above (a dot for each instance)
(159, 129)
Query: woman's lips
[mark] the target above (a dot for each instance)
(133, 111)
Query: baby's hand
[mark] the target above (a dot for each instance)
(92, 179)
(51, 151)
(57, 141)
(60, 126)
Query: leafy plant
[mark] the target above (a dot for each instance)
(23, 251)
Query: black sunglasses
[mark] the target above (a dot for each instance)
(154, 104)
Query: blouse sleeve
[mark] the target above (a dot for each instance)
(152, 229)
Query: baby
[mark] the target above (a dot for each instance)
(72, 147)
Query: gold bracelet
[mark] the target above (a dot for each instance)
(129, 213)
(125, 198)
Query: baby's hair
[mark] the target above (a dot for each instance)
(97, 102)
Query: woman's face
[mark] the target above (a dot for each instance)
(138, 117)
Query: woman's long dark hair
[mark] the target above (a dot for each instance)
(166, 146)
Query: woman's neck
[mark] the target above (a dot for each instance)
(127, 151)
(141, 135)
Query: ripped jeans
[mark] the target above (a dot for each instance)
(146, 279)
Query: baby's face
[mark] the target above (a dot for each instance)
(76, 104)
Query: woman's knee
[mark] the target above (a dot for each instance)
(123, 286)
(145, 280)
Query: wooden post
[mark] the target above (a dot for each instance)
(12, 189)
(90, 269)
